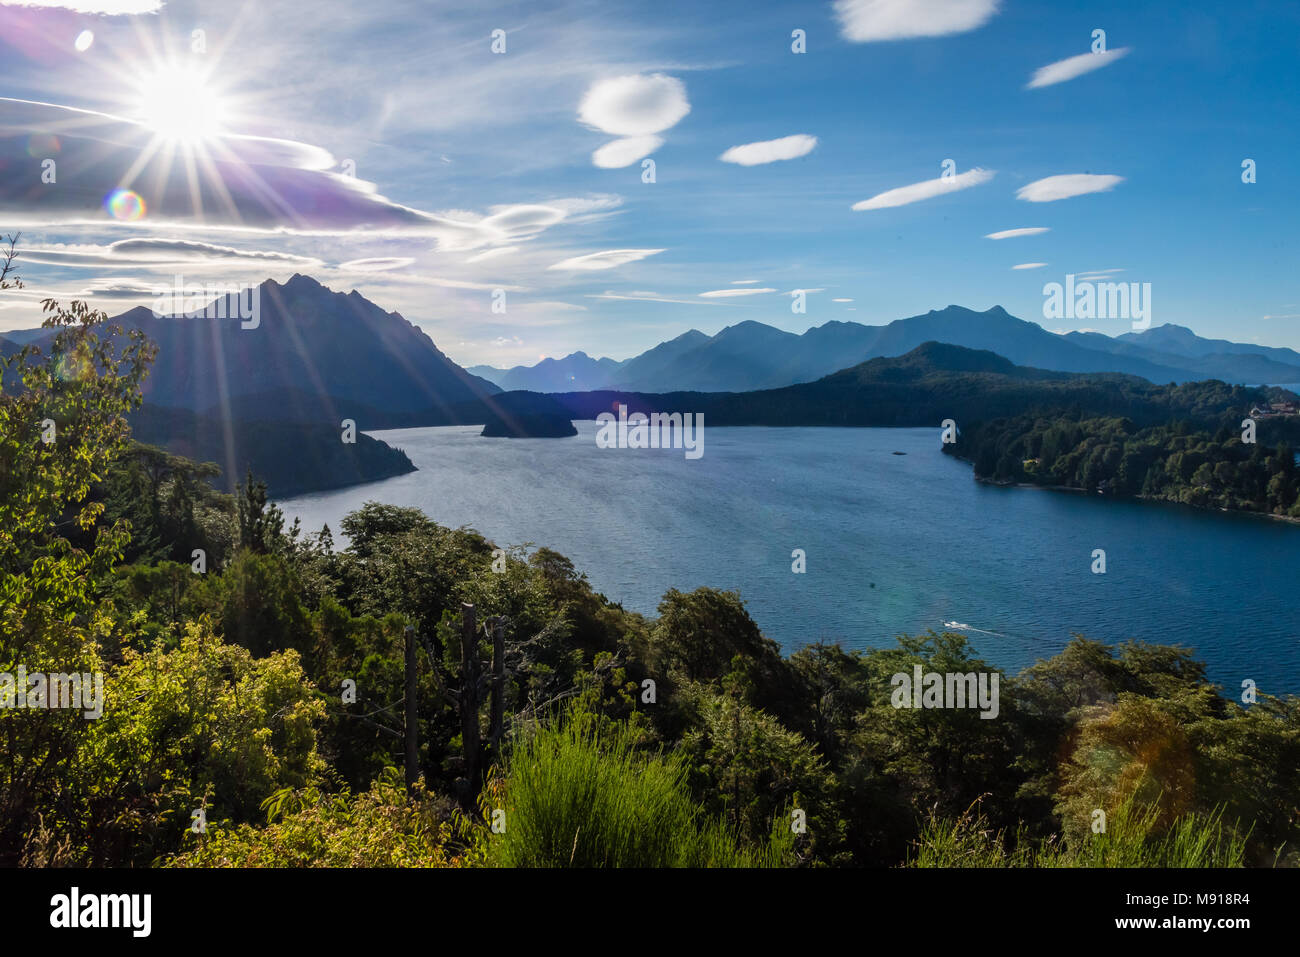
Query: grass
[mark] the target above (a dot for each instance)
(578, 793)
(1132, 839)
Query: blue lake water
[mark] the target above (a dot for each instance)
(894, 543)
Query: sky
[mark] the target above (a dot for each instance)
(482, 168)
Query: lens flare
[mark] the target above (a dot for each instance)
(40, 145)
(125, 205)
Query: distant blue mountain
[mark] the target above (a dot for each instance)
(751, 355)
(576, 372)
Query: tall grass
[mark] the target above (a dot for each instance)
(1132, 839)
(578, 793)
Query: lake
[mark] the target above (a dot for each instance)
(894, 543)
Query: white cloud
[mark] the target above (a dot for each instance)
(1070, 67)
(841, 300)
(443, 283)
(1030, 266)
(1067, 185)
(744, 282)
(522, 219)
(153, 253)
(862, 21)
(1013, 233)
(928, 189)
(635, 105)
(635, 108)
(606, 259)
(546, 306)
(728, 293)
(625, 152)
(111, 287)
(770, 151)
(493, 253)
(375, 264)
(106, 7)
(640, 296)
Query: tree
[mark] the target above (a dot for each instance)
(260, 524)
(62, 425)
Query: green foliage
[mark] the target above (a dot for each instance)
(224, 690)
(579, 793)
(1168, 462)
(1134, 836)
(308, 827)
(203, 726)
(61, 426)
(753, 772)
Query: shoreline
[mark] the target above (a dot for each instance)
(1290, 520)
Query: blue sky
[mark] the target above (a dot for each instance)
(474, 170)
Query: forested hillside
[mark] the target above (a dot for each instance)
(1113, 456)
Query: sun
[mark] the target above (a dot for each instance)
(180, 105)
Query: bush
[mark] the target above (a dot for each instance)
(577, 793)
(308, 828)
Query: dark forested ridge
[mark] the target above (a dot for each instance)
(291, 457)
(1113, 456)
(937, 381)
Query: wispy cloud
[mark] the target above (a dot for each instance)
(1074, 66)
(729, 293)
(930, 188)
(375, 264)
(606, 259)
(154, 253)
(864, 21)
(1029, 266)
(770, 151)
(492, 253)
(1067, 185)
(1013, 233)
(651, 297)
(106, 7)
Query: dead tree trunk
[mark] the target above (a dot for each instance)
(496, 725)
(412, 728)
(469, 700)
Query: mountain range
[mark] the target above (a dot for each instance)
(938, 381)
(751, 355)
(275, 397)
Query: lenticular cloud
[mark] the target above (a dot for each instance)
(770, 151)
(636, 105)
(635, 108)
(864, 21)
(1065, 186)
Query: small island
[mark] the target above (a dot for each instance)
(529, 426)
